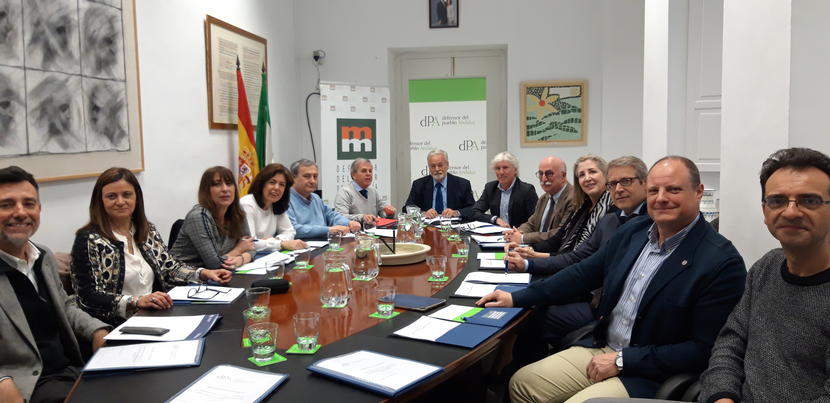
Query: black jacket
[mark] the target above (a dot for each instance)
(459, 194)
(520, 208)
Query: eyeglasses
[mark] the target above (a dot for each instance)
(625, 182)
(809, 202)
(204, 292)
(548, 173)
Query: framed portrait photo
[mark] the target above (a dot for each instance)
(553, 113)
(443, 13)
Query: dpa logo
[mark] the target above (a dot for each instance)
(356, 138)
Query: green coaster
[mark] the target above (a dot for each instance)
(445, 278)
(443, 230)
(333, 307)
(334, 250)
(246, 342)
(307, 267)
(275, 359)
(453, 238)
(460, 256)
(295, 349)
(362, 279)
(376, 315)
(285, 251)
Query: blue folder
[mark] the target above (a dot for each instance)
(467, 335)
(496, 317)
(370, 386)
(417, 303)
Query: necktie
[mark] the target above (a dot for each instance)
(365, 193)
(548, 211)
(439, 197)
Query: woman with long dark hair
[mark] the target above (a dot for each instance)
(265, 208)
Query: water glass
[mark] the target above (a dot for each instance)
(446, 226)
(251, 316)
(412, 210)
(437, 265)
(259, 298)
(334, 240)
(263, 337)
(385, 300)
(463, 248)
(334, 292)
(306, 330)
(301, 258)
(275, 270)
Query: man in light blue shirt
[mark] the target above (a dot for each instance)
(310, 217)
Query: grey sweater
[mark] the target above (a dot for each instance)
(774, 346)
(199, 242)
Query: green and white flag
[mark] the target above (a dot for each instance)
(263, 122)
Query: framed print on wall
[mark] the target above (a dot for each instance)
(553, 113)
(224, 43)
(443, 13)
(69, 88)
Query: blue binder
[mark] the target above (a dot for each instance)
(467, 335)
(496, 317)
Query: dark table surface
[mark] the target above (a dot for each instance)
(342, 331)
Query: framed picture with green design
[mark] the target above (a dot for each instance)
(553, 113)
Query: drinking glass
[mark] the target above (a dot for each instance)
(365, 261)
(334, 240)
(463, 248)
(251, 316)
(258, 298)
(385, 300)
(446, 226)
(275, 270)
(263, 337)
(412, 210)
(301, 258)
(334, 292)
(306, 330)
(437, 265)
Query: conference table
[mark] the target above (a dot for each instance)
(342, 331)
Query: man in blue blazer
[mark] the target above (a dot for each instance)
(452, 198)
(669, 280)
(510, 201)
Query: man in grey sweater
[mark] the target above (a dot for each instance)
(359, 201)
(774, 346)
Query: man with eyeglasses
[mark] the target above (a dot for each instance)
(441, 193)
(669, 282)
(551, 209)
(774, 347)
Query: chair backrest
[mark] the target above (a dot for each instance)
(174, 232)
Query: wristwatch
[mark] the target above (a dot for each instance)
(619, 361)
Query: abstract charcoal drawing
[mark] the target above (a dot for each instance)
(62, 77)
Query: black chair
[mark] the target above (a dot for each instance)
(174, 232)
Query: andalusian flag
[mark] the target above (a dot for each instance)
(248, 166)
(263, 121)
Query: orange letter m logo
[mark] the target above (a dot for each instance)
(356, 139)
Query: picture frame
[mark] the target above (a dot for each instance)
(443, 13)
(553, 113)
(69, 75)
(221, 41)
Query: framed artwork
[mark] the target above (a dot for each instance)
(69, 89)
(443, 13)
(553, 113)
(224, 45)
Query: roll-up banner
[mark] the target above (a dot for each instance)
(450, 114)
(354, 121)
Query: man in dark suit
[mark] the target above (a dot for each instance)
(669, 285)
(441, 193)
(508, 200)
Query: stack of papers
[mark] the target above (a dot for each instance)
(187, 353)
(439, 219)
(492, 229)
(374, 371)
(458, 325)
(387, 233)
(473, 225)
(479, 284)
(229, 383)
(258, 266)
(181, 327)
(204, 294)
(495, 242)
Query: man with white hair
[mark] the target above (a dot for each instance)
(440, 192)
(508, 200)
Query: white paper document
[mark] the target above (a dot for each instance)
(258, 266)
(485, 239)
(450, 312)
(316, 244)
(474, 289)
(491, 264)
(381, 370)
(387, 233)
(206, 294)
(437, 219)
(492, 245)
(427, 328)
(498, 278)
(490, 255)
(474, 224)
(490, 230)
(181, 327)
(228, 383)
(147, 355)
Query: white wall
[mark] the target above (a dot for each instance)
(809, 80)
(178, 145)
(598, 40)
